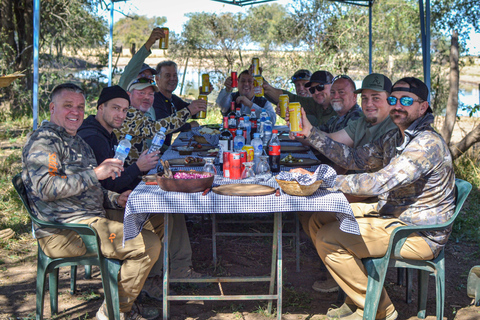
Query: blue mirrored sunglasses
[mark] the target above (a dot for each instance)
(404, 101)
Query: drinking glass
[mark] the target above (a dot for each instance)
(248, 174)
(263, 169)
(209, 166)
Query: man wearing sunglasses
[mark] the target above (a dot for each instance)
(299, 79)
(317, 107)
(410, 169)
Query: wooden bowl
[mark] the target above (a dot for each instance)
(185, 185)
(200, 139)
(293, 188)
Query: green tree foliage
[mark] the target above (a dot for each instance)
(135, 29)
(65, 25)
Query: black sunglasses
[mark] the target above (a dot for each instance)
(318, 88)
(344, 76)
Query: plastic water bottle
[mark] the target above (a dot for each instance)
(238, 141)
(274, 152)
(248, 129)
(257, 149)
(267, 131)
(263, 115)
(123, 148)
(157, 141)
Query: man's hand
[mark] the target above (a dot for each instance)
(156, 34)
(278, 111)
(122, 199)
(146, 162)
(210, 89)
(245, 101)
(307, 126)
(228, 84)
(194, 124)
(271, 92)
(197, 105)
(108, 169)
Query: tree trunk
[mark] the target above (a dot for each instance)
(452, 104)
(470, 139)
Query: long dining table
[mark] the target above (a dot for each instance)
(146, 200)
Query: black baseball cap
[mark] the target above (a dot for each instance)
(147, 67)
(109, 93)
(301, 74)
(417, 87)
(321, 77)
(376, 82)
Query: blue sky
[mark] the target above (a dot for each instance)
(175, 12)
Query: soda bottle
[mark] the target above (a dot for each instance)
(267, 131)
(253, 121)
(225, 142)
(232, 110)
(238, 141)
(123, 148)
(157, 141)
(232, 125)
(274, 152)
(257, 149)
(248, 129)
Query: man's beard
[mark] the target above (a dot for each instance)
(371, 120)
(337, 106)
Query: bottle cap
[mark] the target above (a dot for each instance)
(268, 118)
(256, 135)
(274, 131)
(128, 137)
(246, 118)
(239, 132)
(163, 129)
(241, 118)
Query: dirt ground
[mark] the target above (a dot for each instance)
(238, 256)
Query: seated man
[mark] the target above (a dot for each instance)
(299, 79)
(317, 107)
(62, 178)
(141, 127)
(165, 103)
(343, 99)
(411, 171)
(244, 98)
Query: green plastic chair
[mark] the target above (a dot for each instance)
(377, 267)
(109, 268)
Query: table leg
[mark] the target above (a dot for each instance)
(166, 270)
(276, 269)
(279, 265)
(214, 239)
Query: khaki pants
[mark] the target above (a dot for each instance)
(179, 242)
(342, 253)
(138, 255)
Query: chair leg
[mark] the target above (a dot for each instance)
(109, 271)
(53, 288)
(422, 293)
(88, 271)
(376, 270)
(297, 240)
(40, 289)
(440, 288)
(409, 287)
(73, 280)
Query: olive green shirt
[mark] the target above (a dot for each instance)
(362, 132)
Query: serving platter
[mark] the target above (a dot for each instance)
(180, 162)
(243, 190)
(294, 149)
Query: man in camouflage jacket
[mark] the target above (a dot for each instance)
(411, 172)
(61, 177)
(140, 126)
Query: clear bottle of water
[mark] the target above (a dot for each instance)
(257, 149)
(263, 115)
(123, 148)
(158, 140)
(238, 141)
(267, 131)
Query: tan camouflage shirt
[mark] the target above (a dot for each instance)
(59, 178)
(141, 128)
(414, 177)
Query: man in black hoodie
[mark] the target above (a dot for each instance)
(97, 131)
